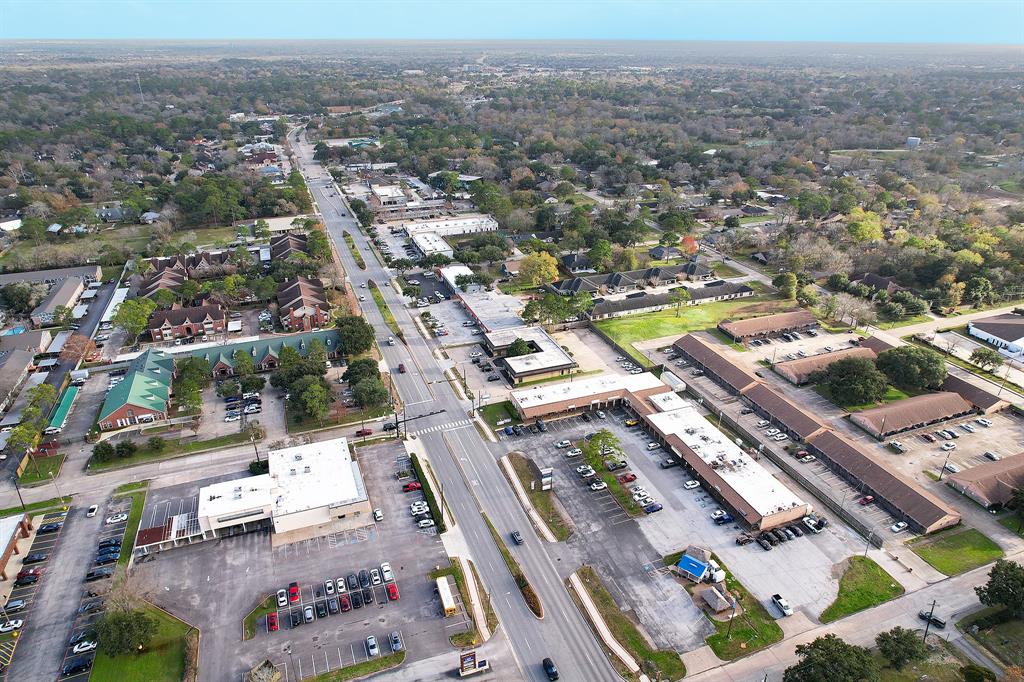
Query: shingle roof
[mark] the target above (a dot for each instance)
(645, 300)
(64, 293)
(707, 356)
(1008, 327)
(800, 370)
(195, 314)
(271, 346)
(911, 412)
(876, 344)
(284, 245)
(992, 482)
(301, 292)
(920, 506)
(975, 395)
(595, 282)
(796, 420)
(165, 279)
(147, 384)
(768, 324)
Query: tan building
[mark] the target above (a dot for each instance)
(990, 484)
(768, 325)
(912, 413)
(801, 370)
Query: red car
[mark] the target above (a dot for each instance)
(929, 437)
(392, 591)
(293, 593)
(866, 500)
(346, 603)
(627, 478)
(30, 571)
(272, 625)
(409, 487)
(364, 432)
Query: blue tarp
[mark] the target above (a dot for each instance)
(692, 568)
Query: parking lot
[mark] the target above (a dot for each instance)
(218, 582)
(454, 319)
(1002, 438)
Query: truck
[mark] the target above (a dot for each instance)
(79, 376)
(782, 604)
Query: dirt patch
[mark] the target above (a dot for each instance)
(839, 569)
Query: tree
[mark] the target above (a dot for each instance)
(600, 255)
(17, 298)
(830, 659)
(901, 646)
(126, 448)
(538, 268)
(854, 381)
(357, 370)
(188, 290)
(370, 393)
(164, 298)
(229, 387)
(517, 348)
(133, 316)
(979, 291)
(972, 672)
(103, 451)
(355, 335)
(679, 296)
(156, 444)
(124, 632)
(1016, 503)
(864, 226)
(838, 281)
(62, 317)
(252, 383)
(986, 358)
(244, 365)
(1005, 587)
(402, 264)
(732, 221)
(316, 401)
(77, 348)
(912, 367)
(807, 296)
(785, 282)
(602, 440)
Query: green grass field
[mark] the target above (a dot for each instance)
(496, 412)
(891, 395)
(172, 449)
(132, 526)
(251, 621)
(864, 584)
(355, 250)
(956, 550)
(943, 665)
(722, 269)
(754, 629)
(39, 470)
(36, 507)
(162, 661)
(364, 669)
(1004, 640)
(382, 306)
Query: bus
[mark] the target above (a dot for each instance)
(447, 603)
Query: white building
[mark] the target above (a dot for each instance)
(429, 243)
(467, 223)
(1006, 332)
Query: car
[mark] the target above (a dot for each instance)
(585, 470)
(968, 428)
(717, 514)
(765, 545)
(779, 535)
(357, 599)
(631, 422)
(395, 640)
(541, 426)
(743, 539)
(899, 527)
(401, 368)
(371, 647)
(364, 578)
(344, 603)
(722, 520)
(26, 580)
(600, 414)
(943, 435)
(321, 609)
(307, 614)
(375, 576)
(272, 624)
(367, 595)
(930, 617)
(90, 606)
(83, 636)
(771, 432)
(769, 538)
(378, 515)
(562, 444)
(795, 530)
(50, 528)
(15, 605)
(653, 446)
(642, 498)
(790, 535)
(410, 487)
(353, 581)
(329, 587)
(691, 485)
(425, 523)
(104, 559)
(929, 437)
(991, 456)
(668, 463)
(364, 432)
(392, 590)
(116, 518)
(951, 468)
(952, 434)
(550, 669)
(653, 507)
(948, 446)
(293, 593)
(627, 478)
(517, 537)
(574, 452)
(418, 507)
(807, 459)
(984, 422)
(11, 626)
(282, 598)
(76, 666)
(35, 558)
(585, 416)
(92, 511)
(763, 423)
(782, 605)
(98, 574)
(616, 464)
(866, 500)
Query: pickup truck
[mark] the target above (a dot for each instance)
(783, 605)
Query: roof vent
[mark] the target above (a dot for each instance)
(291, 472)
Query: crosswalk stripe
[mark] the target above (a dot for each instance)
(444, 427)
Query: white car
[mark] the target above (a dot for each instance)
(282, 598)
(92, 511)
(983, 421)
(476, 354)
(641, 495)
(562, 444)
(771, 432)
(11, 626)
(361, 297)
(780, 437)
(645, 501)
(763, 423)
(948, 446)
(575, 452)
(84, 647)
(425, 523)
(601, 414)
(232, 418)
(116, 518)
(717, 514)
(691, 485)
(898, 527)
(378, 515)
(638, 489)
(386, 572)
(598, 485)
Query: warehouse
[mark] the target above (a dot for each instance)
(768, 325)
(912, 413)
(990, 484)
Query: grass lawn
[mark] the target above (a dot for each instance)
(665, 662)
(543, 500)
(470, 637)
(627, 330)
(956, 550)
(206, 236)
(131, 487)
(162, 661)
(1011, 523)
(904, 322)
(754, 628)
(172, 449)
(38, 470)
(299, 421)
(364, 669)
(111, 271)
(355, 251)
(132, 526)
(382, 306)
(1004, 640)
(1013, 186)
(34, 507)
(891, 395)
(943, 665)
(492, 414)
(723, 269)
(864, 584)
(268, 605)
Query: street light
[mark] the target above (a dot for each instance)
(54, 480)
(252, 439)
(943, 469)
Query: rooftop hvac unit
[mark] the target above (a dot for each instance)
(238, 488)
(291, 472)
(298, 458)
(238, 496)
(305, 469)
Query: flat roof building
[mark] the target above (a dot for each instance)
(766, 325)
(447, 226)
(911, 413)
(567, 397)
(89, 273)
(546, 359)
(431, 243)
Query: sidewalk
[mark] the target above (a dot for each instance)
(524, 500)
(594, 616)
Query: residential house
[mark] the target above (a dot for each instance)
(165, 279)
(14, 369)
(302, 304)
(665, 253)
(643, 302)
(111, 214)
(577, 263)
(283, 246)
(878, 283)
(143, 396)
(622, 282)
(180, 322)
(149, 217)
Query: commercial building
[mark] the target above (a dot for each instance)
(394, 202)
(180, 322)
(12, 529)
(1006, 332)
(801, 370)
(63, 294)
(632, 280)
(768, 325)
(15, 412)
(448, 226)
(990, 484)
(143, 396)
(912, 413)
(492, 310)
(431, 243)
(88, 273)
(591, 393)
(982, 400)
(546, 358)
(643, 302)
(302, 304)
(264, 352)
(449, 276)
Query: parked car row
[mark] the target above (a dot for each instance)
(333, 596)
(246, 404)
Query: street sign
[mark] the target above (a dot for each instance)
(467, 661)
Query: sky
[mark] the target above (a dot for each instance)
(856, 21)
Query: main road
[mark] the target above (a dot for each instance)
(465, 463)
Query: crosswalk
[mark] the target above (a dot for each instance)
(443, 427)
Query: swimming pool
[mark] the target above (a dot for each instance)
(12, 331)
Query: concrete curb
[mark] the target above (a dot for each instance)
(485, 428)
(600, 626)
(474, 598)
(524, 500)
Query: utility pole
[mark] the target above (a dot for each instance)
(928, 623)
(943, 469)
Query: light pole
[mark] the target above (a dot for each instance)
(943, 469)
(56, 487)
(252, 439)
(927, 623)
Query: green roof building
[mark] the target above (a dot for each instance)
(143, 396)
(265, 352)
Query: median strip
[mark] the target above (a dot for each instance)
(358, 257)
(529, 595)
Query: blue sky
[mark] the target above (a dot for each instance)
(891, 21)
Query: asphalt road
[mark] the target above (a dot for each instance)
(466, 465)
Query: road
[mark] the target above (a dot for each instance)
(466, 464)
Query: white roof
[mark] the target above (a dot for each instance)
(315, 475)
(450, 225)
(667, 401)
(430, 242)
(548, 356)
(493, 309)
(755, 484)
(584, 388)
(115, 300)
(57, 345)
(452, 272)
(235, 496)
(388, 191)
(8, 527)
(79, 311)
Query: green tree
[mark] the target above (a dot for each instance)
(355, 335)
(901, 646)
(601, 440)
(156, 444)
(244, 365)
(732, 221)
(912, 367)
(854, 381)
(164, 298)
(402, 265)
(679, 296)
(188, 290)
(229, 387)
(124, 632)
(538, 268)
(785, 282)
(370, 393)
(807, 296)
(316, 401)
(126, 448)
(838, 281)
(830, 659)
(864, 226)
(1016, 503)
(979, 291)
(600, 255)
(133, 315)
(252, 383)
(103, 451)
(1005, 587)
(17, 298)
(62, 317)
(357, 370)
(262, 229)
(517, 348)
(986, 358)
(972, 672)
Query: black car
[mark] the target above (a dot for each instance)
(779, 535)
(931, 617)
(78, 665)
(364, 578)
(35, 558)
(104, 559)
(795, 530)
(109, 543)
(50, 528)
(321, 609)
(368, 595)
(86, 634)
(550, 669)
(765, 545)
(357, 600)
(586, 417)
(352, 581)
(517, 537)
(26, 580)
(518, 430)
(743, 540)
(771, 539)
(542, 426)
(99, 574)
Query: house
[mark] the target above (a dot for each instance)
(878, 283)
(576, 263)
(165, 279)
(194, 265)
(665, 253)
(912, 413)
(36, 340)
(143, 396)
(283, 246)
(1005, 332)
(302, 304)
(149, 217)
(63, 294)
(643, 302)
(990, 484)
(622, 282)
(180, 322)
(111, 214)
(14, 368)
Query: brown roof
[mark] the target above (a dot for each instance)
(705, 355)
(910, 413)
(283, 245)
(178, 315)
(165, 279)
(876, 344)
(799, 371)
(301, 292)
(768, 324)
(990, 483)
(975, 395)
(1009, 327)
(921, 507)
(796, 420)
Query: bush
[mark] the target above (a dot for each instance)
(156, 444)
(103, 451)
(126, 448)
(259, 467)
